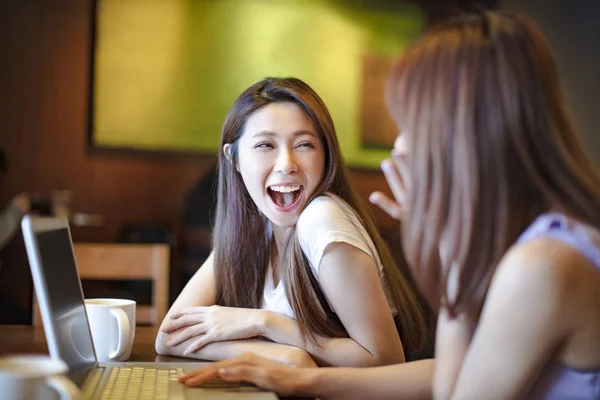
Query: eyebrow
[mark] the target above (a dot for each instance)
(273, 134)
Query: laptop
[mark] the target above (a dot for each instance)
(60, 297)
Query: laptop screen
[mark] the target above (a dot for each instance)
(72, 337)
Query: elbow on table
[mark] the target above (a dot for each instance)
(380, 359)
(160, 344)
(387, 352)
(371, 362)
(392, 358)
(300, 358)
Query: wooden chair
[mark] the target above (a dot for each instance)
(124, 261)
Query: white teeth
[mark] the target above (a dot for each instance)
(285, 189)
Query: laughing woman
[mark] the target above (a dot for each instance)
(298, 273)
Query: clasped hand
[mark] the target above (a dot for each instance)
(211, 324)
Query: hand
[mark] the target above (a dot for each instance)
(212, 324)
(22, 202)
(396, 175)
(264, 373)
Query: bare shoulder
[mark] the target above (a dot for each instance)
(544, 261)
(542, 274)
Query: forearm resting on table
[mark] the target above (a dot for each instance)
(225, 350)
(411, 380)
(339, 352)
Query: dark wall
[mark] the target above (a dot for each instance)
(45, 77)
(44, 89)
(572, 29)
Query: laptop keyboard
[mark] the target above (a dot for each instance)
(142, 383)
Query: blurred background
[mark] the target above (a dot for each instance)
(110, 111)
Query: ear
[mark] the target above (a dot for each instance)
(227, 151)
(229, 156)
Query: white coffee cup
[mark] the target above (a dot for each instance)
(112, 322)
(29, 377)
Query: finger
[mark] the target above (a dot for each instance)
(389, 206)
(200, 376)
(208, 369)
(394, 180)
(188, 310)
(198, 344)
(402, 165)
(173, 326)
(185, 334)
(209, 372)
(182, 322)
(194, 310)
(246, 373)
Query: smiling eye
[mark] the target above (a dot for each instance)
(263, 145)
(306, 144)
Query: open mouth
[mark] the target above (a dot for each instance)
(285, 197)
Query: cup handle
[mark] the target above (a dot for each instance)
(125, 337)
(64, 387)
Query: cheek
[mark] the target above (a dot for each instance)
(317, 169)
(252, 174)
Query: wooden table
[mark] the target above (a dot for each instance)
(19, 339)
(26, 339)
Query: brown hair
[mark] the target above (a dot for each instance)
(490, 145)
(242, 247)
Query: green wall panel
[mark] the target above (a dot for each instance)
(167, 71)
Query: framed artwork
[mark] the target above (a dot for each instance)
(164, 73)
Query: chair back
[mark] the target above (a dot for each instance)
(123, 262)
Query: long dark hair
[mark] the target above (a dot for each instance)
(491, 145)
(242, 247)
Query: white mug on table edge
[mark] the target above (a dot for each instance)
(112, 322)
(34, 376)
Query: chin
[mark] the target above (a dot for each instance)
(280, 221)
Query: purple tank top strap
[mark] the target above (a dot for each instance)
(572, 232)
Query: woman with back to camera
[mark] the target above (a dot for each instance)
(501, 225)
(291, 242)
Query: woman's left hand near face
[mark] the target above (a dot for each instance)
(396, 174)
(212, 324)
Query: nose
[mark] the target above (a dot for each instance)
(285, 162)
